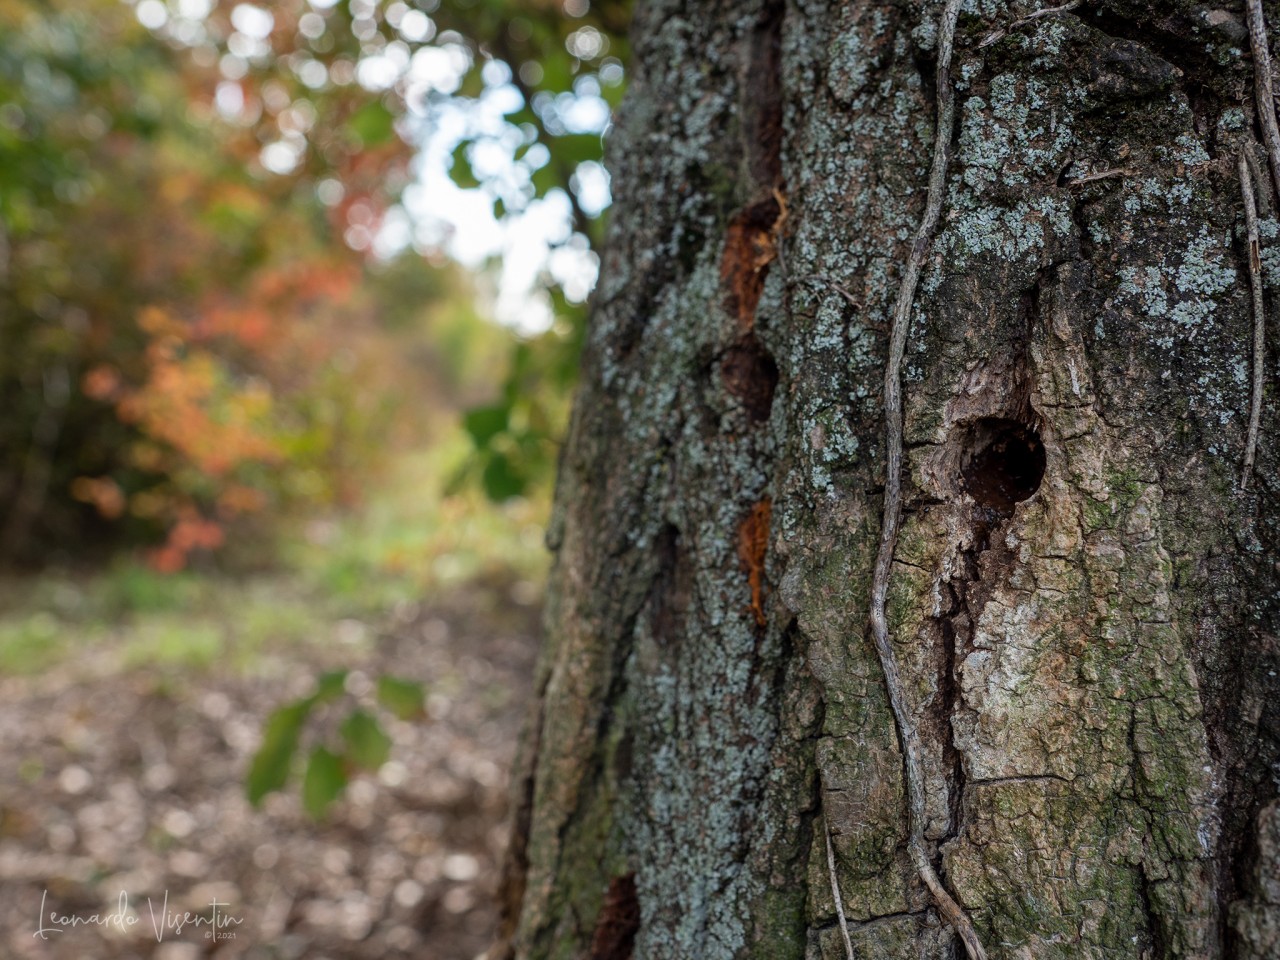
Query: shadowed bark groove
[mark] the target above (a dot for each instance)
(761, 85)
(615, 933)
(1082, 608)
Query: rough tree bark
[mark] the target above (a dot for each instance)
(1083, 604)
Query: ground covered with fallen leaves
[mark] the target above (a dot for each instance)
(122, 764)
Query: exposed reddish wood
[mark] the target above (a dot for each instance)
(753, 542)
(749, 247)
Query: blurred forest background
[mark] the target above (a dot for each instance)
(291, 295)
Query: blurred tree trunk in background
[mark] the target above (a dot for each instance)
(1083, 606)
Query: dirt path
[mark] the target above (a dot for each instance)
(130, 784)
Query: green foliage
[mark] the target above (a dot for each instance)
(367, 746)
(428, 528)
(130, 588)
(373, 124)
(516, 440)
(185, 214)
(485, 423)
(329, 686)
(175, 644)
(460, 168)
(404, 698)
(269, 770)
(555, 57)
(29, 643)
(502, 479)
(362, 744)
(323, 782)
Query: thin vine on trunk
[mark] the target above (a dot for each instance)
(907, 732)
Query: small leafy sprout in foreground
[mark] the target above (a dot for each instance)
(323, 782)
(405, 698)
(363, 745)
(367, 745)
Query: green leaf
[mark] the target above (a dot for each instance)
(373, 124)
(485, 423)
(472, 83)
(329, 685)
(501, 479)
(576, 148)
(521, 115)
(557, 71)
(404, 698)
(521, 365)
(270, 767)
(546, 177)
(460, 171)
(324, 780)
(461, 479)
(367, 745)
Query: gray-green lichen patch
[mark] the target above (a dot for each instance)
(1185, 293)
(859, 49)
(1174, 298)
(661, 688)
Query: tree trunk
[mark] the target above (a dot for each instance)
(1083, 603)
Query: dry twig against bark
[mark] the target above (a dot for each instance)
(1263, 92)
(1264, 97)
(821, 280)
(835, 891)
(1102, 175)
(1259, 315)
(1023, 21)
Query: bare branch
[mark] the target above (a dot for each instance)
(907, 732)
(1263, 93)
(1259, 315)
(835, 890)
(823, 280)
(1023, 21)
(1102, 175)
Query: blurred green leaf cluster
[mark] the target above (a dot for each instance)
(361, 743)
(516, 438)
